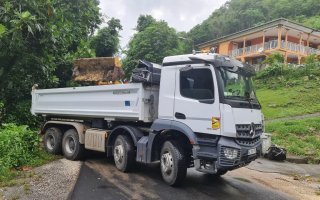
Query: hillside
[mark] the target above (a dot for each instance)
(236, 15)
(280, 98)
(292, 92)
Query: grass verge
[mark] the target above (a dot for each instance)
(290, 101)
(290, 94)
(299, 137)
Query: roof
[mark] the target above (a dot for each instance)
(198, 58)
(282, 21)
(185, 57)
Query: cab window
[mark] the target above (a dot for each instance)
(196, 84)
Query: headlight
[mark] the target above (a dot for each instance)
(230, 153)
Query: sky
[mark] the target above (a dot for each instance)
(180, 14)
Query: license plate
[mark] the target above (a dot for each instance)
(252, 151)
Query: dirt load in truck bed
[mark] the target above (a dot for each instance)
(102, 69)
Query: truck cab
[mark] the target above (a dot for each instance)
(195, 111)
(211, 98)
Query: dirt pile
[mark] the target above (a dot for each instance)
(102, 69)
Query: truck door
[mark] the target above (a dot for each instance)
(197, 98)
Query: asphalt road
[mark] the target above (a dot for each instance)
(99, 179)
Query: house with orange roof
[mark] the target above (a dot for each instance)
(294, 41)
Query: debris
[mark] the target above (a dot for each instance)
(103, 70)
(296, 177)
(25, 168)
(276, 153)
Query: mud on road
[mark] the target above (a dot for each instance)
(99, 179)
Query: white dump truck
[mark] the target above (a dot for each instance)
(196, 110)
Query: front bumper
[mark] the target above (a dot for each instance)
(214, 152)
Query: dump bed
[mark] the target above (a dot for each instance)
(133, 102)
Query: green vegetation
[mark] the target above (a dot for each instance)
(284, 91)
(236, 15)
(19, 147)
(106, 42)
(299, 99)
(153, 41)
(39, 40)
(299, 137)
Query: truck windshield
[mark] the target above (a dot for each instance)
(236, 85)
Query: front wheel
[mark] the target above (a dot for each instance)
(173, 163)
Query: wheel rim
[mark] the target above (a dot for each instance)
(50, 142)
(167, 163)
(118, 153)
(70, 145)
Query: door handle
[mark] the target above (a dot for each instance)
(180, 115)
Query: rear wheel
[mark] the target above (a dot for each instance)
(173, 163)
(53, 140)
(71, 147)
(123, 153)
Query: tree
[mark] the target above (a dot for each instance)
(39, 40)
(236, 15)
(144, 21)
(106, 42)
(152, 43)
(313, 22)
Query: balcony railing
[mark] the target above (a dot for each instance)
(258, 48)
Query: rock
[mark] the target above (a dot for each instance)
(296, 177)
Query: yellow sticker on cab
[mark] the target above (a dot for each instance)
(215, 123)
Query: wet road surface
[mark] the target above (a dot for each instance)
(99, 179)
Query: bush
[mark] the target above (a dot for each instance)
(20, 114)
(274, 58)
(279, 75)
(19, 146)
(274, 70)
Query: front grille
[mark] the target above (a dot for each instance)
(248, 142)
(248, 134)
(223, 161)
(249, 130)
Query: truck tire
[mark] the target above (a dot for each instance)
(123, 153)
(71, 147)
(53, 140)
(173, 163)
